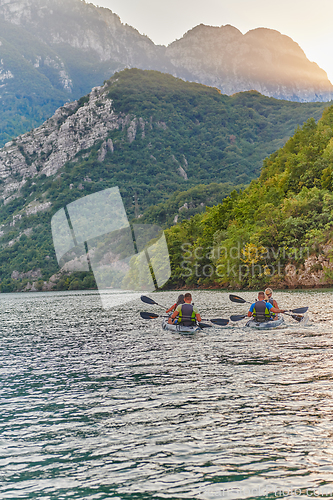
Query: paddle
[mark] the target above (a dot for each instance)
(215, 321)
(238, 300)
(204, 325)
(218, 321)
(150, 301)
(296, 318)
(146, 315)
(239, 317)
(299, 310)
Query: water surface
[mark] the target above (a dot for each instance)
(101, 404)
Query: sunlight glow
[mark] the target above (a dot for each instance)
(307, 22)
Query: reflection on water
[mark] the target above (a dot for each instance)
(101, 404)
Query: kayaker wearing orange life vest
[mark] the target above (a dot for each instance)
(187, 313)
(261, 310)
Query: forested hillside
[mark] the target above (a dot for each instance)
(182, 205)
(154, 136)
(278, 231)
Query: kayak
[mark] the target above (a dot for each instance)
(180, 328)
(266, 325)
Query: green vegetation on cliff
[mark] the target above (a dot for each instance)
(183, 205)
(182, 147)
(213, 137)
(177, 135)
(279, 220)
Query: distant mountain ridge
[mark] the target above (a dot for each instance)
(54, 51)
(262, 60)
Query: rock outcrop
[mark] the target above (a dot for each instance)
(46, 149)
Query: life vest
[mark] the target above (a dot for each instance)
(260, 311)
(186, 315)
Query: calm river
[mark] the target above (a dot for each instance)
(101, 404)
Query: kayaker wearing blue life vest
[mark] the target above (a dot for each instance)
(261, 310)
(187, 313)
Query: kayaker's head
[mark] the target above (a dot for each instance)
(261, 295)
(268, 292)
(180, 299)
(188, 298)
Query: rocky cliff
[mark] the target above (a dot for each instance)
(45, 150)
(86, 44)
(139, 105)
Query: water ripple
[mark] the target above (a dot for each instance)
(101, 404)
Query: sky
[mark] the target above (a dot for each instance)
(307, 22)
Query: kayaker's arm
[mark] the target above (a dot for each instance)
(272, 309)
(198, 317)
(250, 313)
(277, 310)
(174, 314)
(172, 317)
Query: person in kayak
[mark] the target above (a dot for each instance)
(262, 310)
(180, 300)
(187, 313)
(269, 298)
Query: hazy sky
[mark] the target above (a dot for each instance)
(307, 22)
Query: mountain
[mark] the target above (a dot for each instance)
(278, 232)
(149, 133)
(86, 44)
(262, 60)
(54, 51)
(166, 131)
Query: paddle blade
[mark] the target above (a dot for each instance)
(220, 321)
(235, 298)
(146, 315)
(237, 318)
(297, 318)
(300, 310)
(148, 300)
(204, 325)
